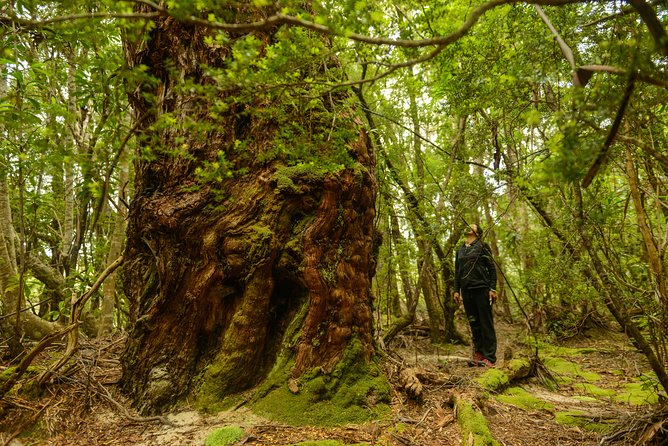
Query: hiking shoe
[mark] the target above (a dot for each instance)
(477, 356)
(485, 363)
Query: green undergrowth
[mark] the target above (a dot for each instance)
(354, 392)
(576, 418)
(519, 397)
(475, 431)
(224, 436)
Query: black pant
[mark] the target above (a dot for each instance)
(479, 312)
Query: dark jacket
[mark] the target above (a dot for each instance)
(474, 267)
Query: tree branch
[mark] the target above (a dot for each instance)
(653, 24)
(600, 159)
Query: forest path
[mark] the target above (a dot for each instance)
(598, 381)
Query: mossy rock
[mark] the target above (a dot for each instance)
(578, 418)
(224, 436)
(493, 379)
(354, 392)
(475, 431)
(519, 397)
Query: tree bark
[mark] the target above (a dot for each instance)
(217, 272)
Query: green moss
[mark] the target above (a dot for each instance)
(493, 379)
(638, 393)
(474, 426)
(519, 397)
(214, 395)
(305, 173)
(517, 364)
(594, 390)
(579, 419)
(224, 436)
(354, 392)
(572, 352)
(563, 367)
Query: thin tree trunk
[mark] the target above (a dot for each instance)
(116, 242)
(421, 226)
(612, 299)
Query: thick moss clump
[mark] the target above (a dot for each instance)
(354, 392)
(224, 436)
(519, 397)
(475, 431)
(493, 379)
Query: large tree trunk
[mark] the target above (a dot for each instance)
(218, 272)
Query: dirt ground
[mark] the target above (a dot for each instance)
(86, 408)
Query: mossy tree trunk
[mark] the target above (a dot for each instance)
(238, 233)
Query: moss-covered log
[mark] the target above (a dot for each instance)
(253, 212)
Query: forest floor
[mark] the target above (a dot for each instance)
(600, 383)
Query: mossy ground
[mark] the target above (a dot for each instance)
(355, 392)
(565, 371)
(519, 397)
(638, 393)
(224, 436)
(577, 418)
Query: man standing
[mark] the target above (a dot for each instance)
(475, 284)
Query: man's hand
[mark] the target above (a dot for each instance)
(458, 299)
(492, 296)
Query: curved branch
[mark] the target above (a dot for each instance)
(284, 19)
(600, 159)
(620, 71)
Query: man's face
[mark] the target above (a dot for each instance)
(472, 230)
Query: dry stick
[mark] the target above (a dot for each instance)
(77, 306)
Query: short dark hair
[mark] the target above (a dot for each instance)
(479, 231)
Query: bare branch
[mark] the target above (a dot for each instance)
(568, 53)
(620, 71)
